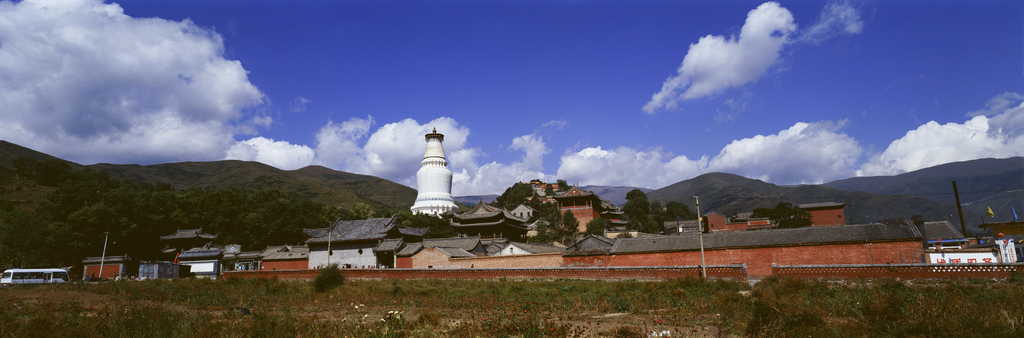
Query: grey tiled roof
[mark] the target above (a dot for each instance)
(409, 231)
(464, 243)
(391, 244)
(494, 248)
(590, 245)
(484, 210)
(941, 229)
(285, 252)
(249, 254)
(823, 205)
(455, 252)
(198, 254)
(875, 232)
(353, 230)
(189, 233)
(410, 249)
(109, 259)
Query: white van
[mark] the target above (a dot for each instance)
(13, 277)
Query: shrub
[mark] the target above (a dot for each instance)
(329, 278)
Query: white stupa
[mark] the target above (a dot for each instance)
(434, 180)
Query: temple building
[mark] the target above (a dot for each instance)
(434, 180)
(488, 221)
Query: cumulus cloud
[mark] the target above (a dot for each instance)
(931, 144)
(628, 167)
(804, 153)
(715, 63)
(83, 81)
(279, 154)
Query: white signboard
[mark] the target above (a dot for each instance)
(202, 266)
(1007, 250)
(962, 257)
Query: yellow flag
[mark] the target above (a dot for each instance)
(990, 213)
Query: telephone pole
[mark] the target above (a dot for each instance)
(106, 235)
(700, 234)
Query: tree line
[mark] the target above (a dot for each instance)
(83, 205)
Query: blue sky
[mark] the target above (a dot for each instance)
(594, 92)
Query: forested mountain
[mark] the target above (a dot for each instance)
(322, 185)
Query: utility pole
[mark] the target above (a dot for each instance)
(700, 234)
(960, 211)
(330, 234)
(106, 235)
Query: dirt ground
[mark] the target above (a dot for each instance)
(666, 321)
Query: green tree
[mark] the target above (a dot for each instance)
(563, 185)
(597, 226)
(514, 196)
(360, 211)
(440, 226)
(678, 209)
(636, 210)
(785, 214)
(545, 234)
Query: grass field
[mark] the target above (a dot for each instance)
(469, 308)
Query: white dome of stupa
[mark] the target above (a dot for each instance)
(434, 180)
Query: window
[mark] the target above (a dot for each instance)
(360, 251)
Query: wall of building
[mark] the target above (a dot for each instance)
(827, 217)
(760, 260)
(403, 263)
(543, 260)
(285, 265)
(432, 258)
(109, 270)
(356, 255)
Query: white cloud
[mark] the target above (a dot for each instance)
(838, 17)
(625, 166)
(280, 154)
(534, 149)
(804, 153)
(83, 81)
(715, 63)
(932, 143)
(394, 152)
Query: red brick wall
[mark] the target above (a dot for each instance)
(109, 270)
(759, 260)
(583, 216)
(716, 222)
(284, 265)
(608, 273)
(907, 271)
(403, 263)
(828, 217)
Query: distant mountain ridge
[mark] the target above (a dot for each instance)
(982, 183)
(996, 183)
(320, 184)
